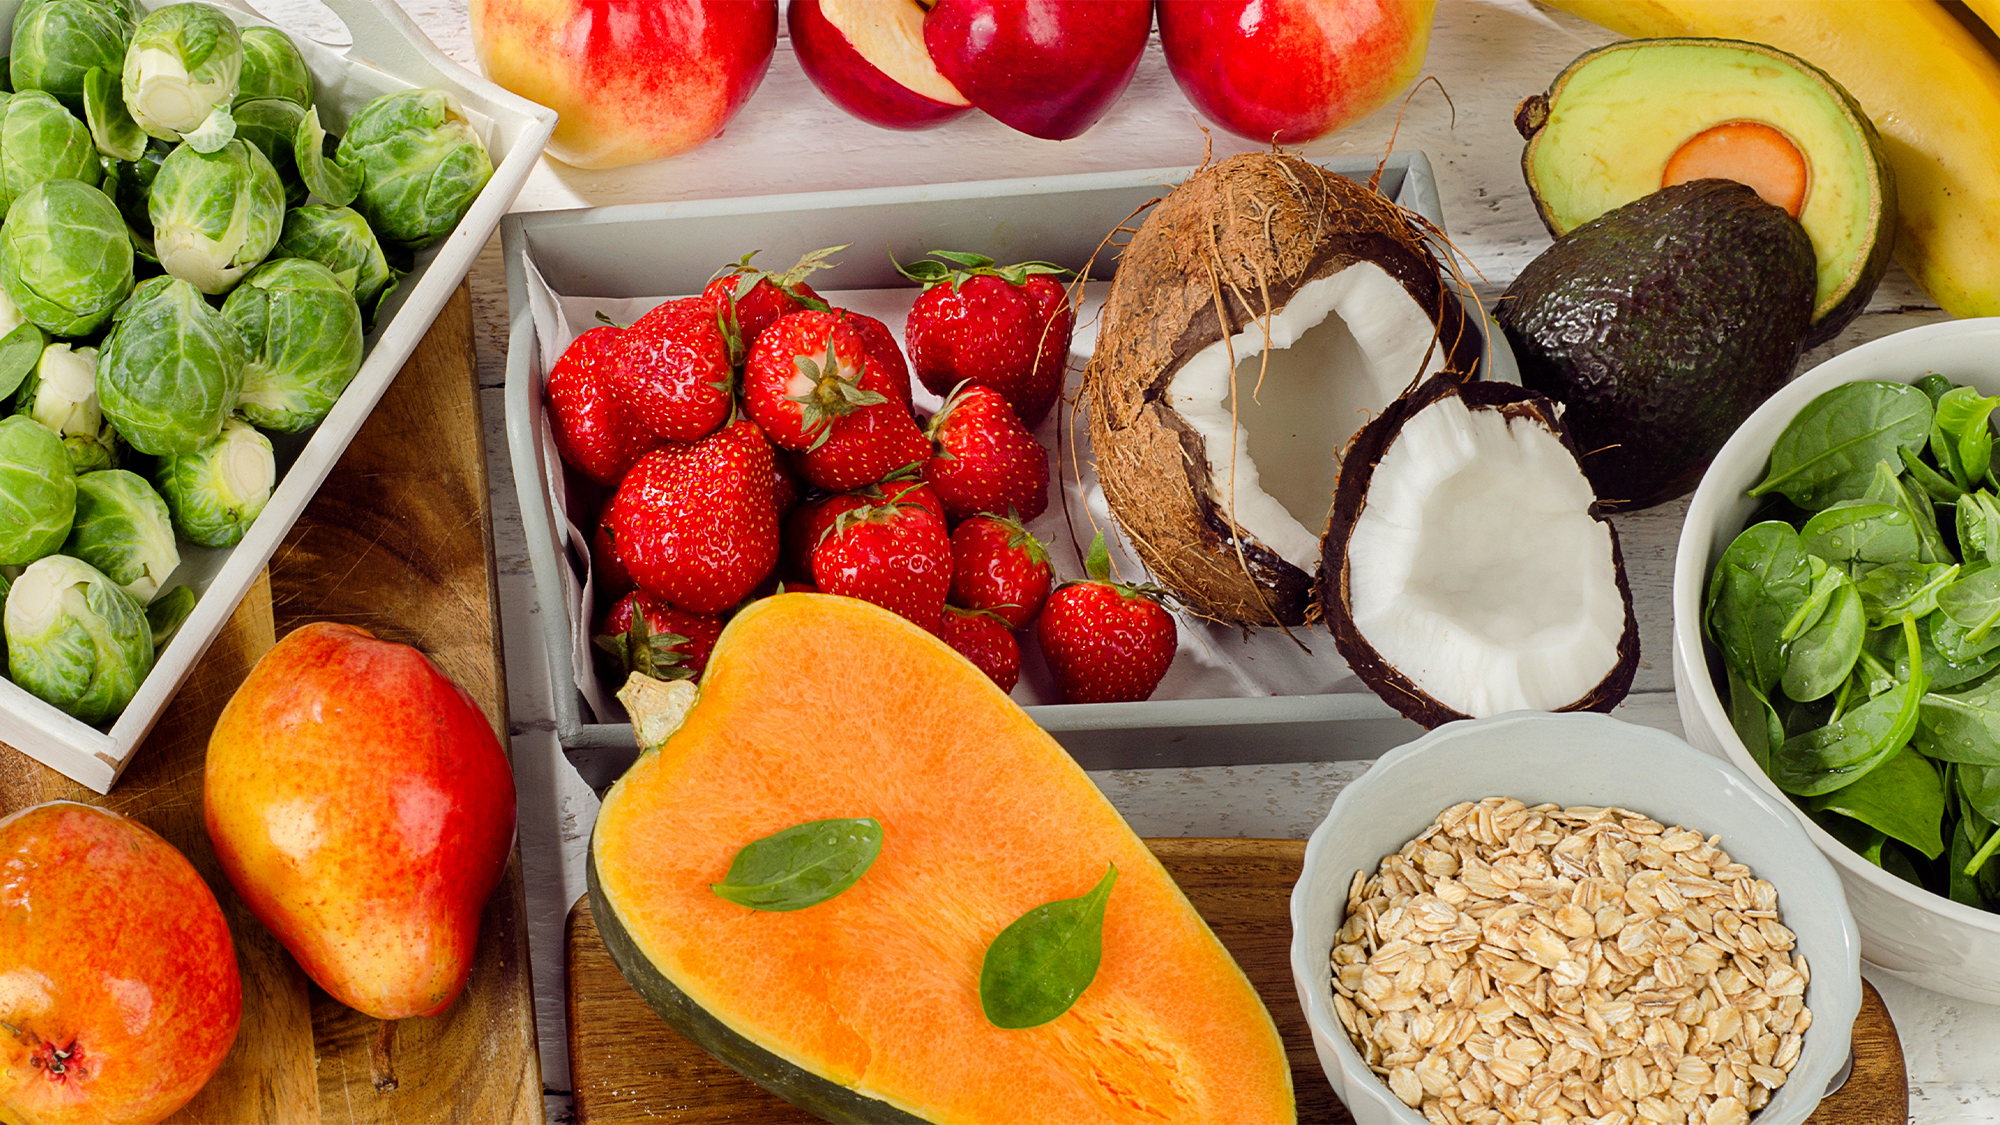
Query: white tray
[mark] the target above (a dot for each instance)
(621, 259)
(388, 53)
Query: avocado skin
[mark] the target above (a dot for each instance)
(1660, 326)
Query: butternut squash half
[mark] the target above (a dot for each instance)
(866, 1006)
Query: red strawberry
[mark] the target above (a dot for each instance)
(672, 370)
(894, 554)
(999, 566)
(697, 524)
(1004, 327)
(611, 577)
(640, 633)
(1106, 642)
(867, 445)
(786, 489)
(984, 461)
(594, 432)
(808, 524)
(805, 372)
(882, 346)
(759, 297)
(983, 639)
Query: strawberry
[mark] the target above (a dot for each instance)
(754, 299)
(640, 633)
(612, 579)
(894, 554)
(672, 370)
(867, 445)
(882, 346)
(808, 525)
(697, 525)
(595, 434)
(1106, 642)
(786, 489)
(1005, 327)
(999, 566)
(983, 639)
(983, 460)
(803, 373)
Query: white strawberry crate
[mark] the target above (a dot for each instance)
(388, 52)
(1227, 699)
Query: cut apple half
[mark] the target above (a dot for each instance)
(869, 58)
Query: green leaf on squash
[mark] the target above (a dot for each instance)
(1037, 967)
(802, 866)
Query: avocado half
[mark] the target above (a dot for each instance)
(1611, 126)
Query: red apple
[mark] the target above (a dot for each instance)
(630, 81)
(868, 57)
(1286, 71)
(1049, 68)
(362, 806)
(119, 993)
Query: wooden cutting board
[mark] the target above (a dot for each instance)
(399, 542)
(627, 1065)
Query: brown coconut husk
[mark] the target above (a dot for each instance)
(1227, 248)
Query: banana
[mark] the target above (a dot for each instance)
(1930, 88)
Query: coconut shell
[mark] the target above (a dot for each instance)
(1232, 243)
(1357, 472)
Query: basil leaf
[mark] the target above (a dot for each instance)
(1890, 591)
(1902, 797)
(1818, 660)
(1830, 449)
(1759, 583)
(804, 865)
(1858, 535)
(1959, 422)
(1037, 967)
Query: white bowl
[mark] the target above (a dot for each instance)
(1924, 938)
(1572, 759)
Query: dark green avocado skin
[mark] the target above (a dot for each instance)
(1660, 326)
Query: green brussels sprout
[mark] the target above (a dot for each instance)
(268, 123)
(112, 129)
(181, 72)
(170, 371)
(342, 241)
(304, 332)
(129, 183)
(123, 529)
(40, 140)
(167, 613)
(216, 492)
(273, 68)
(75, 640)
(421, 165)
(215, 214)
(37, 491)
(21, 345)
(57, 42)
(62, 395)
(65, 257)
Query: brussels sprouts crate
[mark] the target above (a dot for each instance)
(388, 52)
(1233, 696)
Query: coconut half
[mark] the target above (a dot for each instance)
(1261, 314)
(1468, 569)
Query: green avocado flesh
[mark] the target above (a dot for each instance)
(1603, 134)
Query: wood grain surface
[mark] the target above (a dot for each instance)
(398, 541)
(627, 1065)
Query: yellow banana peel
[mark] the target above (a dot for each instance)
(1932, 90)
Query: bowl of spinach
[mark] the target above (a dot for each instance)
(1837, 635)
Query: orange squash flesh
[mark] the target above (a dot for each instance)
(816, 706)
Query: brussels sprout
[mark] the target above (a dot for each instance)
(75, 639)
(123, 529)
(421, 165)
(62, 395)
(170, 371)
(65, 258)
(37, 491)
(215, 214)
(304, 332)
(39, 140)
(167, 613)
(181, 72)
(57, 42)
(273, 68)
(268, 123)
(129, 183)
(111, 126)
(21, 345)
(342, 241)
(216, 492)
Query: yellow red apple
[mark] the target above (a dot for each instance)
(119, 993)
(1049, 68)
(868, 57)
(364, 810)
(629, 81)
(1286, 71)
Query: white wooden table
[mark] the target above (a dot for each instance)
(1487, 55)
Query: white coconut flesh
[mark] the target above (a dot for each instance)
(1476, 570)
(1342, 349)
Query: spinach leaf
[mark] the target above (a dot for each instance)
(1941, 488)
(1902, 797)
(1950, 639)
(1934, 387)
(1751, 713)
(804, 865)
(1889, 592)
(1825, 580)
(1973, 602)
(1858, 535)
(1759, 583)
(1966, 841)
(1888, 486)
(1830, 449)
(1863, 840)
(1037, 967)
(1898, 863)
(1820, 658)
(1961, 728)
(1979, 786)
(1847, 749)
(1979, 527)
(1959, 429)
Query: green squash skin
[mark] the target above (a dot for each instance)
(787, 1080)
